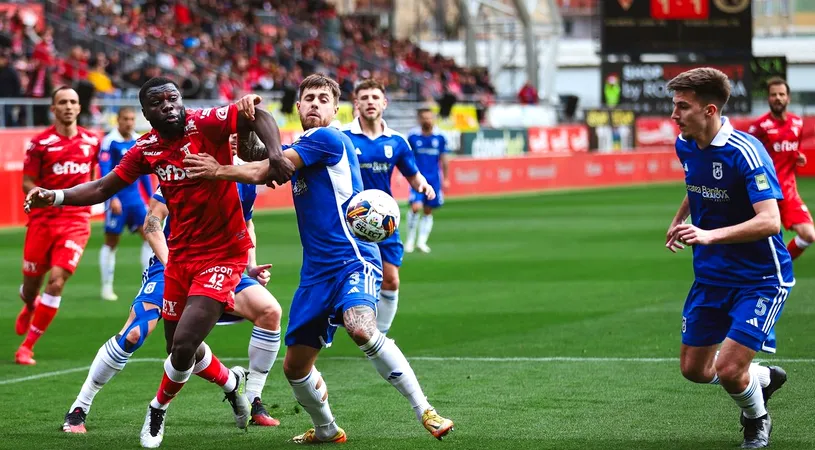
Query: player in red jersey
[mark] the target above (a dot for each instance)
(780, 132)
(60, 157)
(208, 242)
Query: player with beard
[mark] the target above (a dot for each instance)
(209, 241)
(780, 131)
(340, 276)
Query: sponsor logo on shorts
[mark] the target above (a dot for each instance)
(169, 308)
(218, 269)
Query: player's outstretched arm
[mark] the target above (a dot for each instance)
(204, 165)
(85, 194)
(419, 184)
(265, 127)
(153, 229)
(766, 223)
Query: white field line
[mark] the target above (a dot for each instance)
(568, 359)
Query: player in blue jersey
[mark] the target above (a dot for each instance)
(252, 302)
(380, 149)
(743, 272)
(340, 275)
(430, 150)
(126, 208)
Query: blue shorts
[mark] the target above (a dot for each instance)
(746, 315)
(316, 310)
(417, 197)
(152, 290)
(391, 250)
(132, 216)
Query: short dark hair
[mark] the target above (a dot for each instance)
(151, 83)
(57, 91)
(319, 81)
(775, 81)
(709, 84)
(368, 83)
(421, 111)
(125, 109)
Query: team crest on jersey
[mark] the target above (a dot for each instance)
(190, 127)
(794, 131)
(222, 112)
(186, 148)
(86, 149)
(717, 170)
(388, 151)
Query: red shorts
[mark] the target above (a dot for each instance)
(214, 278)
(54, 243)
(793, 210)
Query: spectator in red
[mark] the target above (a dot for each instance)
(528, 95)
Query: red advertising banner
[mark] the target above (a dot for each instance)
(563, 139)
(660, 133)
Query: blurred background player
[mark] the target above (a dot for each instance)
(62, 156)
(743, 272)
(340, 275)
(781, 131)
(125, 208)
(430, 150)
(380, 149)
(252, 302)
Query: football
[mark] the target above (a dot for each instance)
(373, 215)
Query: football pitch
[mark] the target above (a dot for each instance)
(545, 321)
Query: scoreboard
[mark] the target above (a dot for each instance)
(711, 27)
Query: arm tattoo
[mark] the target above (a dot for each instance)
(153, 224)
(250, 148)
(360, 319)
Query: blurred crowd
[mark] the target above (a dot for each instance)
(217, 49)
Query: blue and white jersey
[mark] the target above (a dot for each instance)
(113, 148)
(428, 150)
(321, 191)
(247, 192)
(377, 157)
(723, 182)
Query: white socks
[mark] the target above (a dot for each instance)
(176, 376)
(109, 360)
(801, 243)
(412, 227)
(386, 309)
(425, 227)
(751, 400)
(391, 364)
(107, 265)
(263, 348)
(312, 394)
(146, 253)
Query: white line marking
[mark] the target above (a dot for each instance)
(570, 359)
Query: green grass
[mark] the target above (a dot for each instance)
(582, 275)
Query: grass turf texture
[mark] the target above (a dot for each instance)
(578, 275)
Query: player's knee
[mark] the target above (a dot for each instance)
(808, 234)
(390, 282)
(56, 282)
(360, 335)
(269, 316)
(293, 370)
(694, 373)
(183, 351)
(134, 337)
(730, 372)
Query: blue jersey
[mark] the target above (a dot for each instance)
(428, 151)
(321, 191)
(113, 148)
(723, 182)
(377, 157)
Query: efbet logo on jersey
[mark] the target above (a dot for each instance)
(785, 146)
(170, 173)
(388, 151)
(717, 170)
(71, 168)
